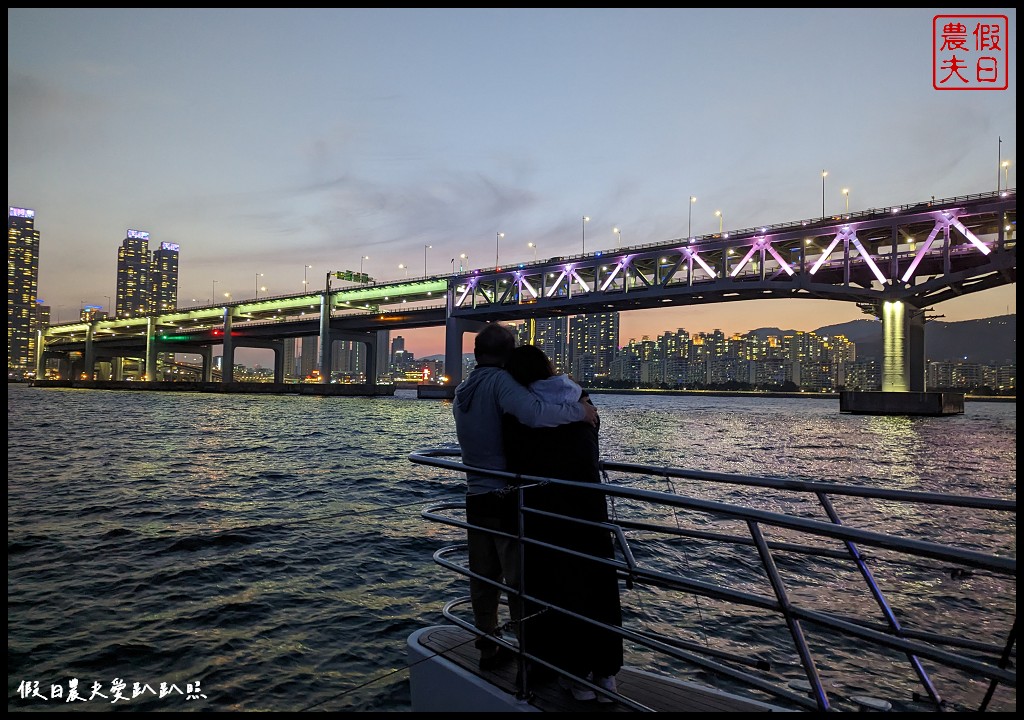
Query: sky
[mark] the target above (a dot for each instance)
(263, 141)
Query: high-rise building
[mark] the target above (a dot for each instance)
(145, 283)
(133, 283)
(348, 360)
(308, 360)
(398, 357)
(163, 278)
(22, 290)
(550, 335)
(290, 368)
(594, 341)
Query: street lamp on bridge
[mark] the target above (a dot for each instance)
(585, 221)
(463, 260)
(425, 248)
(534, 246)
(1006, 174)
(305, 281)
(824, 174)
(258, 276)
(718, 214)
(401, 266)
(618, 237)
(497, 241)
(846, 192)
(364, 257)
(689, 218)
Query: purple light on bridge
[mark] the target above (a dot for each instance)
(824, 255)
(785, 265)
(971, 236)
(608, 280)
(925, 247)
(521, 279)
(618, 266)
(746, 258)
(692, 255)
(586, 288)
(557, 282)
(867, 258)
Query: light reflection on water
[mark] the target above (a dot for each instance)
(272, 548)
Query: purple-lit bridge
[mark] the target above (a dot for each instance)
(894, 262)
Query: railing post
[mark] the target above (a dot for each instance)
(786, 608)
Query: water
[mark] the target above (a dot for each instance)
(269, 549)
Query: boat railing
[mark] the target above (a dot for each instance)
(909, 594)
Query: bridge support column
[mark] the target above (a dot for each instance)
(40, 355)
(325, 334)
(206, 354)
(903, 348)
(375, 360)
(370, 362)
(278, 348)
(102, 365)
(895, 372)
(150, 375)
(227, 370)
(89, 356)
(117, 368)
(454, 328)
(370, 341)
(917, 361)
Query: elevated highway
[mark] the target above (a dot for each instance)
(892, 261)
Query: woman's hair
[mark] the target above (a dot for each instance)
(528, 363)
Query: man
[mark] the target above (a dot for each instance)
(480, 402)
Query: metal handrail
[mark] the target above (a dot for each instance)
(975, 657)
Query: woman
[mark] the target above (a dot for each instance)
(588, 588)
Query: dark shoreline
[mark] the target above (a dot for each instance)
(758, 394)
(378, 390)
(252, 388)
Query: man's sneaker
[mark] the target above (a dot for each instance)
(606, 683)
(579, 692)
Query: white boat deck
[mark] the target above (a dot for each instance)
(452, 649)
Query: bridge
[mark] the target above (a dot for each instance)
(895, 262)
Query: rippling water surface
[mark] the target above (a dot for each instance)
(267, 553)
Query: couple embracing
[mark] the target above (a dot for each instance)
(515, 413)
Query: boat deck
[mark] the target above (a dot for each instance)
(836, 586)
(657, 693)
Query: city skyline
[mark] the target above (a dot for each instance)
(286, 144)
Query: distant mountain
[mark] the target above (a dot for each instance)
(991, 341)
(858, 331)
